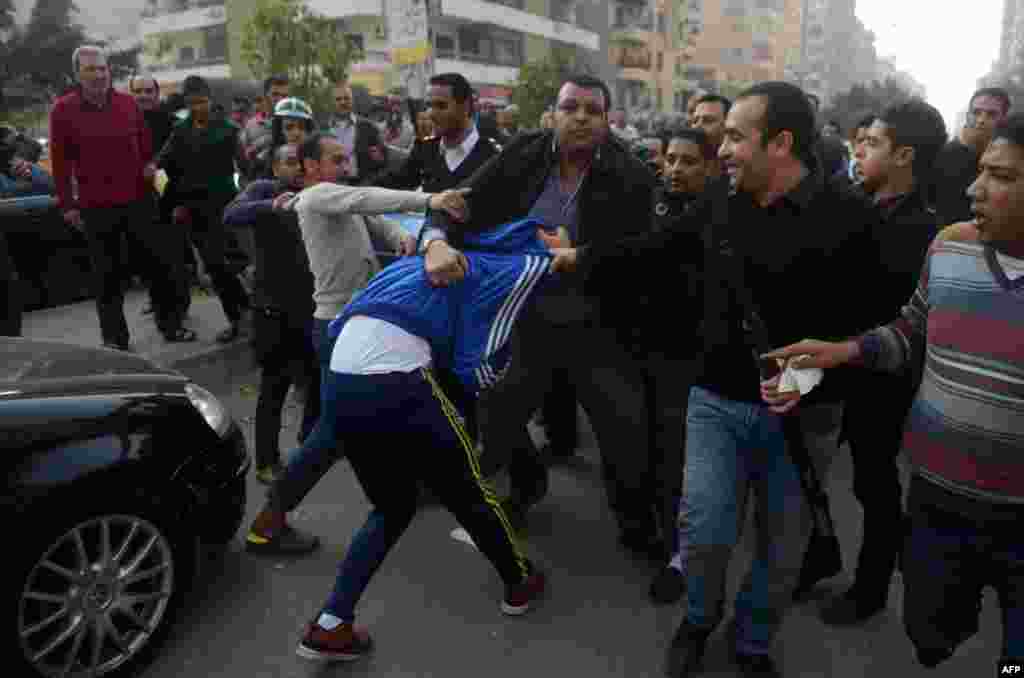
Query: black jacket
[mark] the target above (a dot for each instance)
(956, 168)
(427, 167)
(878, 403)
(614, 202)
(202, 162)
(660, 273)
(809, 259)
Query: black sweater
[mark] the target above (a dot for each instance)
(426, 166)
(811, 264)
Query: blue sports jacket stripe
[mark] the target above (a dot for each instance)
(467, 325)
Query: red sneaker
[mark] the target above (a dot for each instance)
(344, 643)
(520, 598)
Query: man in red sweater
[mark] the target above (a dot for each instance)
(102, 152)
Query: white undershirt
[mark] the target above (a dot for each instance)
(454, 156)
(372, 346)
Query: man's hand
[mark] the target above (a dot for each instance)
(564, 260)
(444, 265)
(376, 153)
(149, 172)
(453, 202)
(822, 354)
(74, 218)
(281, 202)
(558, 240)
(778, 402)
(22, 168)
(406, 245)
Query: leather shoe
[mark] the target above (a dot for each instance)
(757, 666)
(685, 655)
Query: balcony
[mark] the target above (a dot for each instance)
(479, 73)
(197, 14)
(340, 9)
(479, 11)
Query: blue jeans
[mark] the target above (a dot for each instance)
(948, 560)
(735, 450)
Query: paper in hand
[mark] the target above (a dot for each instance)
(799, 379)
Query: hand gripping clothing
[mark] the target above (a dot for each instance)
(467, 325)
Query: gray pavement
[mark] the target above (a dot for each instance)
(433, 607)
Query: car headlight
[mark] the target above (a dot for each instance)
(215, 414)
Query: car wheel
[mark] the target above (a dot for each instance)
(97, 596)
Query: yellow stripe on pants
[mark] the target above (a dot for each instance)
(466, 442)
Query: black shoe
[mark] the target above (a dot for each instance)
(757, 666)
(643, 545)
(814, 571)
(685, 656)
(668, 587)
(851, 609)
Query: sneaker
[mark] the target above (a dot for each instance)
(668, 587)
(344, 643)
(851, 609)
(685, 655)
(287, 542)
(269, 473)
(520, 598)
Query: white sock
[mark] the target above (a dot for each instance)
(328, 622)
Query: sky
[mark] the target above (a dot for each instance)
(946, 46)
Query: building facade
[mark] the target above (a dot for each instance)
(485, 40)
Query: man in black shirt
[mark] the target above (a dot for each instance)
(454, 152)
(785, 228)
(957, 165)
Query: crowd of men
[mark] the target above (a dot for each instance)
(748, 227)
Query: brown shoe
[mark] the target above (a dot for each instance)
(344, 643)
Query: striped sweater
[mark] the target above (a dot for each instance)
(965, 432)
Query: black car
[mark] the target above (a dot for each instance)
(117, 473)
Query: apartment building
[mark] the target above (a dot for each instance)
(485, 40)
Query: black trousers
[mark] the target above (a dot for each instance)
(208, 233)
(609, 385)
(114, 234)
(559, 411)
(284, 349)
(667, 381)
(10, 315)
(873, 424)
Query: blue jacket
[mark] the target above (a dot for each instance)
(467, 325)
(39, 184)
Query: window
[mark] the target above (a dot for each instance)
(661, 61)
(775, 5)
(216, 42)
(474, 43)
(507, 50)
(737, 8)
(444, 44)
(356, 40)
(662, 23)
(763, 51)
(187, 55)
(699, 73)
(733, 55)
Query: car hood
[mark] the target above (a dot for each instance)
(28, 365)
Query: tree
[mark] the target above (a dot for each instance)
(536, 87)
(285, 36)
(860, 100)
(48, 42)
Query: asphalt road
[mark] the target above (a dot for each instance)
(433, 607)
